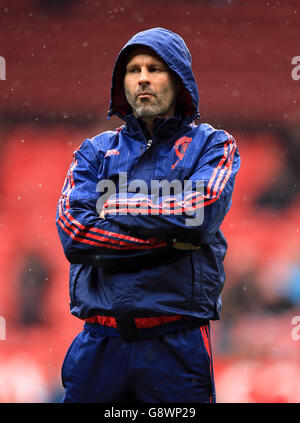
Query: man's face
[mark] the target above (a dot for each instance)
(149, 85)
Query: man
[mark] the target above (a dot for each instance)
(139, 220)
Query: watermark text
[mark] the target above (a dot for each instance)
(162, 197)
(296, 329)
(2, 329)
(2, 69)
(296, 70)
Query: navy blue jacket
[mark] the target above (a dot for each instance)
(125, 271)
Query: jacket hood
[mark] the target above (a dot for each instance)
(173, 50)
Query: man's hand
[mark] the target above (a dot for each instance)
(184, 246)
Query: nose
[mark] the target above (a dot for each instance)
(144, 77)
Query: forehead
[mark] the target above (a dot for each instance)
(137, 52)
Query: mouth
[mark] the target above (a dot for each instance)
(144, 95)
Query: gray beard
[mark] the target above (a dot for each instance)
(149, 110)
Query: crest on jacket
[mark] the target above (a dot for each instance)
(180, 146)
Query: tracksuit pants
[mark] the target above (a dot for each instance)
(173, 368)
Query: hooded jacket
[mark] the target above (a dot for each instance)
(124, 269)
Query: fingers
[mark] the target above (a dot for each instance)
(185, 246)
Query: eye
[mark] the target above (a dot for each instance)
(133, 70)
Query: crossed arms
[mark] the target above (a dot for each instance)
(116, 234)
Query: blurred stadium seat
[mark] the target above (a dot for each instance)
(245, 60)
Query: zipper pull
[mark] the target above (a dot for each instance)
(149, 142)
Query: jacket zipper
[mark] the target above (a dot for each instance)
(149, 142)
(148, 145)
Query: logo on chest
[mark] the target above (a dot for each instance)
(180, 146)
(112, 152)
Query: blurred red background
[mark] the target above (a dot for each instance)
(59, 58)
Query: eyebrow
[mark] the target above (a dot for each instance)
(152, 63)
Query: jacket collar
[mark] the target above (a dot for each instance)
(163, 128)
